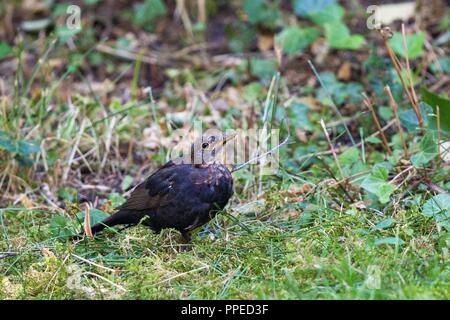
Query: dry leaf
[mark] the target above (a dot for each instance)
(87, 223)
(265, 42)
(26, 202)
(345, 71)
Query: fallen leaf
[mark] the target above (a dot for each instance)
(345, 71)
(265, 42)
(87, 224)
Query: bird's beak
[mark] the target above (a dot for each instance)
(229, 137)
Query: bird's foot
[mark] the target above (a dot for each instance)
(185, 242)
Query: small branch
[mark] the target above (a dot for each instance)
(341, 119)
(322, 123)
(438, 124)
(377, 122)
(386, 33)
(87, 224)
(8, 254)
(394, 107)
(411, 84)
(128, 55)
(285, 141)
(327, 152)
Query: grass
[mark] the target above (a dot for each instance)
(347, 224)
(332, 255)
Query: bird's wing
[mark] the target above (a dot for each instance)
(154, 191)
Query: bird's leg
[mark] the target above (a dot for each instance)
(186, 239)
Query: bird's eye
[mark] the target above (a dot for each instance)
(205, 145)
(212, 139)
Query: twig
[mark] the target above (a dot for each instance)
(400, 174)
(8, 254)
(377, 122)
(285, 141)
(93, 263)
(340, 183)
(87, 223)
(438, 124)
(436, 188)
(106, 280)
(394, 107)
(327, 152)
(332, 103)
(322, 123)
(408, 69)
(201, 4)
(74, 149)
(128, 55)
(386, 33)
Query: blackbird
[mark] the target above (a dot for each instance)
(184, 194)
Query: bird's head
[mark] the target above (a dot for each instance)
(208, 149)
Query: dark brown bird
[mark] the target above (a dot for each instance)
(184, 194)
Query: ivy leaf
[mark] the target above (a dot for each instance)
(6, 143)
(126, 183)
(415, 43)
(349, 156)
(294, 39)
(428, 150)
(60, 227)
(298, 113)
(434, 100)
(95, 216)
(338, 36)
(332, 13)
(261, 12)
(389, 240)
(386, 223)
(261, 68)
(376, 183)
(26, 147)
(409, 120)
(145, 13)
(438, 208)
(306, 8)
(5, 49)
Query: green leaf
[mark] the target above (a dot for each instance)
(376, 183)
(127, 182)
(389, 240)
(386, 223)
(306, 8)
(5, 49)
(428, 150)
(26, 147)
(373, 140)
(338, 36)
(145, 13)
(298, 114)
(295, 39)
(261, 12)
(95, 216)
(6, 143)
(349, 156)
(116, 199)
(64, 33)
(443, 64)
(60, 227)
(434, 100)
(332, 13)
(409, 120)
(438, 208)
(261, 68)
(415, 43)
